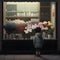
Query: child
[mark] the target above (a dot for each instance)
(38, 41)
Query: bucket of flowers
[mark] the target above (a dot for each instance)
(14, 26)
(49, 29)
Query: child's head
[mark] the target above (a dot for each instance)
(38, 30)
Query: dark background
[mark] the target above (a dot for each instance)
(26, 46)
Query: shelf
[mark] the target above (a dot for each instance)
(21, 17)
(11, 11)
(24, 11)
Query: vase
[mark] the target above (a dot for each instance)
(49, 36)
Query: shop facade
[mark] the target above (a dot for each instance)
(44, 12)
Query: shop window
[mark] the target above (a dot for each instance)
(19, 17)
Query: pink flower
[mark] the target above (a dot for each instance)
(40, 24)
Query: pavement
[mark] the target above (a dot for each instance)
(29, 57)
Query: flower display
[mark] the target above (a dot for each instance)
(47, 27)
(27, 27)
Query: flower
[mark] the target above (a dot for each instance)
(45, 22)
(40, 24)
(52, 27)
(49, 23)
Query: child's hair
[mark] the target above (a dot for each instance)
(38, 30)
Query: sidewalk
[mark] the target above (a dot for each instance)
(29, 57)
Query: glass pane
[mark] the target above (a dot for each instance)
(23, 17)
(11, 14)
(11, 7)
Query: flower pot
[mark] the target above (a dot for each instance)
(49, 36)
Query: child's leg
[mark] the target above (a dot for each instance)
(37, 51)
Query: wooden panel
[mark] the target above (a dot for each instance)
(26, 46)
(45, 12)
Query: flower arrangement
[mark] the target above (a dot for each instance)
(49, 28)
(14, 26)
(45, 26)
(27, 27)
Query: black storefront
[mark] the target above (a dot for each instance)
(26, 46)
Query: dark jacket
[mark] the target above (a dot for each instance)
(38, 41)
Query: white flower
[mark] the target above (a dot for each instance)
(26, 31)
(25, 27)
(45, 22)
